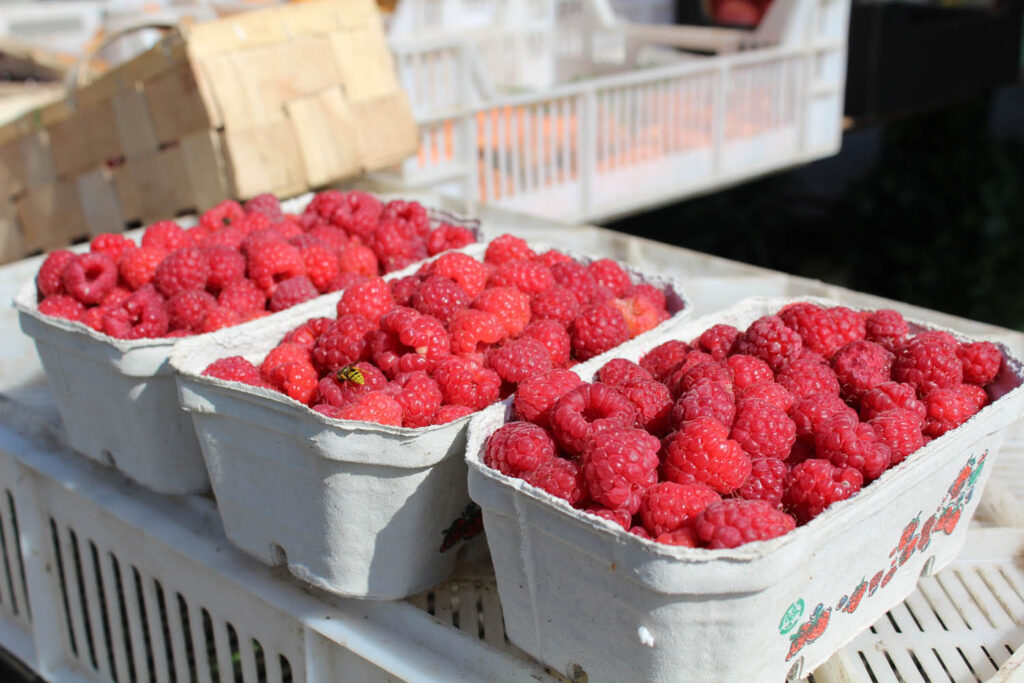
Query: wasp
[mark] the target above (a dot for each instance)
(350, 373)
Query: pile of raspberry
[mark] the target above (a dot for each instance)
(238, 263)
(740, 436)
(455, 337)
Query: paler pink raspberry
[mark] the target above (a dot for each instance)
(813, 485)
(62, 306)
(610, 275)
(773, 393)
(618, 371)
(619, 464)
(224, 266)
(810, 412)
(771, 340)
(701, 452)
(266, 204)
(510, 305)
(357, 212)
(887, 396)
(518, 447)
(684, 537)
(767, 481)
(187, 309)
(89, 277)
(440, 297)
(861, 366)
(667, 506)
(48, 279)
(640, 314)
(597, 329)
(375, 406)
(229, 238)
(527, 276)
(234, 369)
(411, 215)
(845, 441)
(733, 522)
(803, 377)
(242, 296)
(686, 378)
(555, 303)
(291, 292)
(370, 299)
(663, 359)
(535, 396)
(762, 429)
(887, 328)
(554, 337)
(586, 410)
(343, 342)
(561, 478)
(520, 360)
(980, 362)
(707, 399)
(577, 279)
(466, 383)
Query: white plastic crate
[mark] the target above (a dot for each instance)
(59, 26)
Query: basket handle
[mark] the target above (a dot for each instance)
(77, 77)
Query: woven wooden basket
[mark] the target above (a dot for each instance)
(280, 100)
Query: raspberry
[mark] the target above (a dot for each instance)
(767, 481)
(732, 522)
(652, 294)
(653, 403)
(273, 262)
(186, 310)
(265, 204)
(717, 340)
(419, 396)
(535, 396)
(219, 317)
(225, 265)
(230, 237)
(308, 332)
(89, 277)
(529, 277)
(610, 275)
(556, 303)
(747, 370)
(375, 406)
(773, 393)
(849, 325)
(411, 216)
(517, 448)
(409, 341)
(769, 339)
(815, 326)
(667, 506)
(618, 371)
(762, 429)
(142, 315)
(48, 280)
(640, 314)
(813, 485)
(619, 465)
(439, 297)
(663, 359)
(507, 248)
(618, 516)
(510, 305)
(242, 296)
(466, 383)
(298, 380)
(403, 288)
(227, 212)
(450, 413)
(976, 394)
(357, 258)
(928, 365)
(463, 270)
(887, 396)
(947, 409)
(166, 236)
(447, 237)
(554, 338)
(115, 297)
(520, 360)
(686, 378)
(887, 328)
(846, 442)
(357, 212)
(473, 331)
(810, 412)
(325, 203)
(62, 306)
(258, 238)
(234, 369)
(707, 399)
(900, 430)
(343, 342)
(980, 362)
(861, 366)
(336, 390)
(684, 537)
(370, 299)
(395, 248)
(93, 317)
(701, 452)
(321, 265)
(137, 267)
(586, 410)
(291, 292)
(112, 244)
(597, 329)
(561, 478)
(552, 256)
(182, 270)
(936, 337)
(806, 377)
(577, 279)
(285, 352)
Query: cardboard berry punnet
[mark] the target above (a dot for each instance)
(356, 508)
(581, 594)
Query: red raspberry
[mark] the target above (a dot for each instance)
(403, 288)
(947, 409)
(242, 296)
(308, 332)
(344, 341)
(640, 314)
(610, 275)
(225, 265)
(936, 337)
(439, 297)
(663, 359)
(887, 328)
(769, 339)
(529, 277)
(325, 203)
(554, 338)
(466, 383)
(395, 248)
(773, 393)
(815, 326)
(976, 394)
(273, 262)
(846, 442)
(450, 413)
(265, 204)
(619, 516)
(346, 280)
(732, 522)
(337, 240)
(517, 448)
(230, 238)
(810, 412)
(409, 341)
(619, 465)
(717, 340)
(448, 237)
(618, 371)
(535, 396)
(219, 317)
(357, 212)
(112, 244)
(357, 258)
(860, 366)
(652, 294)
(887, 396)
(297, 380)
(686, 378)
(520, 360)
(556, 303)
(577, 279)
(62, 306)
(849, 325)
(410, 215)
(321, 265)
(900, 430)
(928, 365)
(586, 410)
(561, 478)
(370, 299)
(234, 369)
(653, 403)
(474, 331)
(48, 280)
(507, 248)
(375, 406)
(285, 352)
(463, 270)
(747, 370)
(813, 485)
(258, 238)
(166, 236)
(668, 506)
(684, 537)
(510, 305)
(187, 309)
(980, 362)
(338, 390)
(93, 317)
(707, 399)
(291, 292)
(762, 429)
(142, 315)
(767, 481)
(137, 267)
(229, 211)
(182, 270)
(597, 329)
(420, 397)
(701, 452)
(116, 297)
(806, 377)
(89, 277)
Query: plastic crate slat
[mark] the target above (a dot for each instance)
(247, 653)
(95, 607)
(200, 645)
(154, 623)
(112, 593)
(13, 565)
(136, 631)
(981, 594)
(74, 597)
(494, 627)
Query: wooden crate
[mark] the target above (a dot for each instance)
(281, 100)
